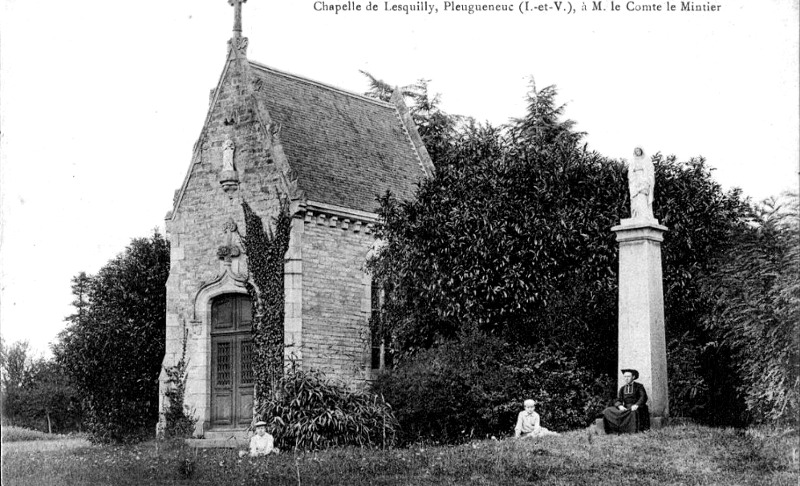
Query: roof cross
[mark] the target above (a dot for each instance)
(237, 16)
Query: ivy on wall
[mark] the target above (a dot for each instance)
(265, 252)
(178, 423)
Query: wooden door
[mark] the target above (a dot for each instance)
(231, 362)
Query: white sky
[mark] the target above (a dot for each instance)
(102, 101)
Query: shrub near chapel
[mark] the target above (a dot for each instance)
(308, 411)
(439, 396)
(113, 347)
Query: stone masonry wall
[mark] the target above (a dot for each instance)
(336, 298)
(196, 230)
(327, 291)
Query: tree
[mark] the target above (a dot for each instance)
(511, 238)
(80, 289)
(36, 392)
(49, 398)
(512, 219)
(437, 129)
(702, 221)
(15, 361)
(756, 298)
(114, 344)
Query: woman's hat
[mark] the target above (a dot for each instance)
(633, 372)
(260, 423)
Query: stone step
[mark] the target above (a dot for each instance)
(227, 434)
(222, 439)
(217, 443)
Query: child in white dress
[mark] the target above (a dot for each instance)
(262, 443)
(528, 423)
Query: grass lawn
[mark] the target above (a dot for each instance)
(11, 433)
(689, 455)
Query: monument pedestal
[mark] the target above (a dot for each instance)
(642, 344)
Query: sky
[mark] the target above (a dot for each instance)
(101, 102)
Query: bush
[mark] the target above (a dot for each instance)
(307, 411)
(475, 386)
(756, 298)
(106, 423)
(113, 346)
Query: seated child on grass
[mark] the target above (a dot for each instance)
(262, 443)
(528, 423)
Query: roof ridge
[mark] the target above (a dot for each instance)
(320, 84)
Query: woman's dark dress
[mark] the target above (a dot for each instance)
(627, 421)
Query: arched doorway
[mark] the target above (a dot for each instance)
(232, 379)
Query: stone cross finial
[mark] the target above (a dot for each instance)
(237, 16)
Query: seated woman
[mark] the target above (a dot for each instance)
(262, 443)
(528, 423)
(629, 413)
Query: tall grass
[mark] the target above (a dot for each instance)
(676, 455)
(12, 433)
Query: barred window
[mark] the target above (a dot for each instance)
(382, 352)
(224, 364)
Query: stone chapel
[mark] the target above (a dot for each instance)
(270, 135)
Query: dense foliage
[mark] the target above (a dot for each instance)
(36, 393)
(307, 411)
(439, 396)
(756, 294)
(700, 218)
(265, 251)
(113, 346)
(512, 237)
(510, 222)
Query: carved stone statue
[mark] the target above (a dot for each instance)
(641, 183)
(227, 155)
(229, 249)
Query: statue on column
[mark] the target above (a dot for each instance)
(641, 184)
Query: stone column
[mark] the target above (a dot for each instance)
(293, 294)
(642, 344)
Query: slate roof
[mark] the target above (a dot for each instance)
(345, 148)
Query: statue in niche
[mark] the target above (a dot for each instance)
(227, 155)
(641, 184)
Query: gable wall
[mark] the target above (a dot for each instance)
(197, 229)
